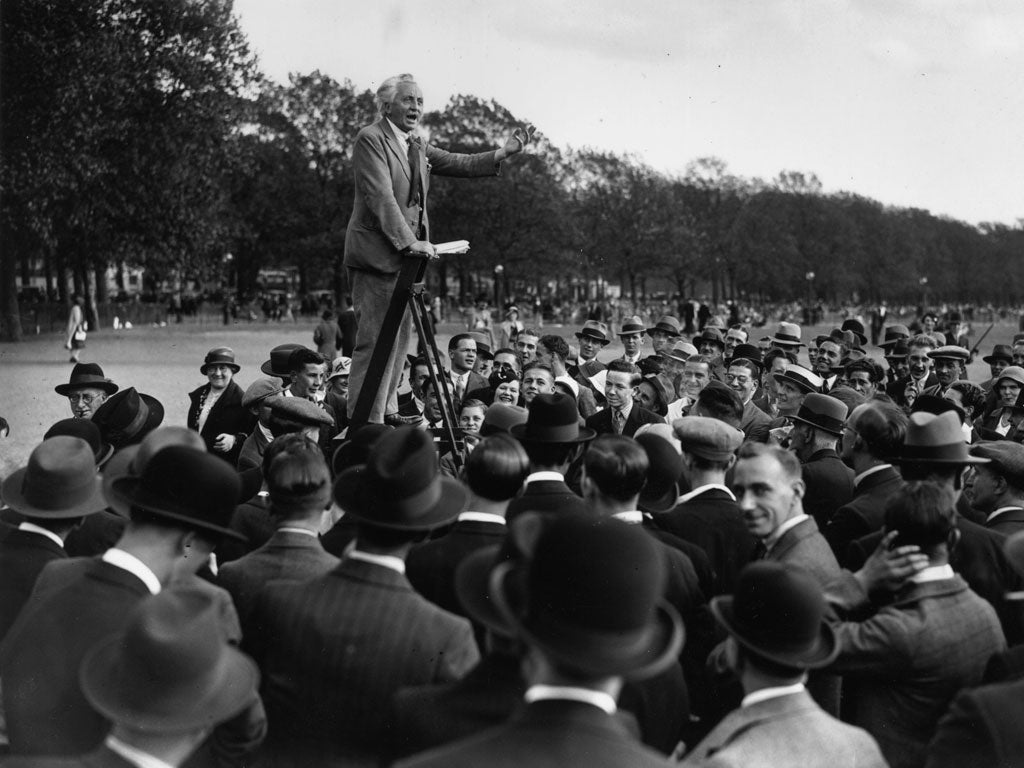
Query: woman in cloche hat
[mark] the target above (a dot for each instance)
(216, 410)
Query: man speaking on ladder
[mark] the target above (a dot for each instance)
(392, 168)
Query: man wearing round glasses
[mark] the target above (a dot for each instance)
(86, 390)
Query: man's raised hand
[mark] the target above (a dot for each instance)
(517, 142)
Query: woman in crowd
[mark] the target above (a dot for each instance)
(216, 411)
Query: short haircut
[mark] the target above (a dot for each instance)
(280, 444)
(497, 467)
(534, 364)
(386, 90)
(701, 360)
(868, 366)
(786, 459)
(775, 352)
(556, 345)
(550, 454)
(454, 342)
(327, 314)
(298, 479)
(882, 427)
(922, 340)
(300, 358)
(505, 351)
(717, 401)
(745, 362)
(923, 512)
(529, 332)
(624, 366)
(472, 402)
(972, 395)
(617, 465)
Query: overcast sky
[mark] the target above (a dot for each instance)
(911, 102)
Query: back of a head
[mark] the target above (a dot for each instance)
(555, 345)
(881, 427)
(300, 358)
(497, 467)
(924, 513)
(617, 465)
(717, 401)
(786, 460)
(297, 478)
(623, 366)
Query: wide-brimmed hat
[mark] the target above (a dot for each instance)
(631, 326)
(594, 329)
(893, 334)
(950, 352)
(666, 324)
(59, 481)
(340, 366)
(778, 613)
(400, 486)
(277, 365)
(85, 375)
(83, 429)
(801, 377)
(999, 352)
(681, 351)
(220, 356)
(590, 598)
(788, 335)
(710, 334)
(898, 350)
(185, 485)
(553, 418)
(935, 439)
(1013, 373)
(501, 417)
(822, 412)
(128, 416)
(856, 327)
(661, 490)
(170, 670)
(130, 461)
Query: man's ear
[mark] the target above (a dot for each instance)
(799, 489)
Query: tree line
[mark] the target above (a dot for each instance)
(142, 132)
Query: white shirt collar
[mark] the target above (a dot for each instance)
(933, 573)
(481, 517)
(385, 561)
(133, 565)
(988, 519)
(633, 517)
(771, 693)
(868, 472)
(543, 475)
(777, 534)
(401, 135)
(133, 755)
(704, 489)
(599, 699)
(266, 432)
(296, 529)
(33, 528)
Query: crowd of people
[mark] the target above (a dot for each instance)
(715, 550)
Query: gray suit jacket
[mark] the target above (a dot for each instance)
(803, 545)
(755, 423)
(787, 730)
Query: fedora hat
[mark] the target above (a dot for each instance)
(277, 365)
(400, 486)
(778, 613)
(788, 335)
(356, 449)
(553, 418)
(935, 439)
(206, 502)
(59, 481)
(170, 670)
(594, 329)
(999, 352)
(856, 327)
(220, 356)
(590, 598)
(131, 460)
(682, 351)
(128, 416)
(710, 334)
(500, 417)
(898, 350)
(661, 490)
(893, 334)
(666, 324)
(86, 375)
(806, 380)
(632, 325)
(823, 412)
(86, 430)
(483, 344)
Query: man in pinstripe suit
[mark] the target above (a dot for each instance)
(334, 650)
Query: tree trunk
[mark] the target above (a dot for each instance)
(10, 316)
(102, 293)
(48, 273)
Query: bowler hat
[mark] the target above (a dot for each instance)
(711, 439)
(220, 356)
(86, 430)
(170, 670)
(1006, 457)
(259, 391)
(590, 598)
(710, 334)
(823, 412)
(128, 416)
(935, 439)
(501, 417)
(747, 352)
(788, 335)
(778, 613)
(205, 502)
(661, 491)
(666, 324)
(301, 410)
(893, 334)
(553, 418)
(856, 327)
(277, 365)
(594, 329)
(682, 351)
(801, 377)
(950, 352)
(130, 461)
(632, 325)
(1000, 352)
(400, 486)
(59, 481)
(86, 375)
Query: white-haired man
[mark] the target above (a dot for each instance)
(389, 222)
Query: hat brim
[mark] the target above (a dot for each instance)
(472, 581)
(995, 358)
(351, 495)
(668, 331)
(662, 503)
(587, 650)
(11, 491)
(600, 339)
(807, 388)
(821, 654)
(230, 689)
(786, 342)
(235, 368)
(268, 369)
(123, 491)
(518, 431)
(944, 462)
(836, 432)
(106, 385)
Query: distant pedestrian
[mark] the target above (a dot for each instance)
(77, 327)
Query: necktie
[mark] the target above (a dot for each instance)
(760, 551)
(618, 421)
(416, 180)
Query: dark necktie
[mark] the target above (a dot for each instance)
(760, 551)
(415, 159)
(618, 420)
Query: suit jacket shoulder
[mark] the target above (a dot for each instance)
(545, 496)
(803, 545)
(23, 555)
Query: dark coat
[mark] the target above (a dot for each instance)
(1009, 522)
(101, 757)
(545, 496)
(251, 453)
(227, 416)
(829, 485)
(23, 555)
(601, 422)
(560, 734)
(896, 389)
(96, 534)
(335, 650)
(755, 423)
(864, 513)
(982, 727)
(252, 520)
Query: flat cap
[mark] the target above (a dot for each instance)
(710, 439)
(301, 410)
(1006, 457)
(950, 352)
(260, 390)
